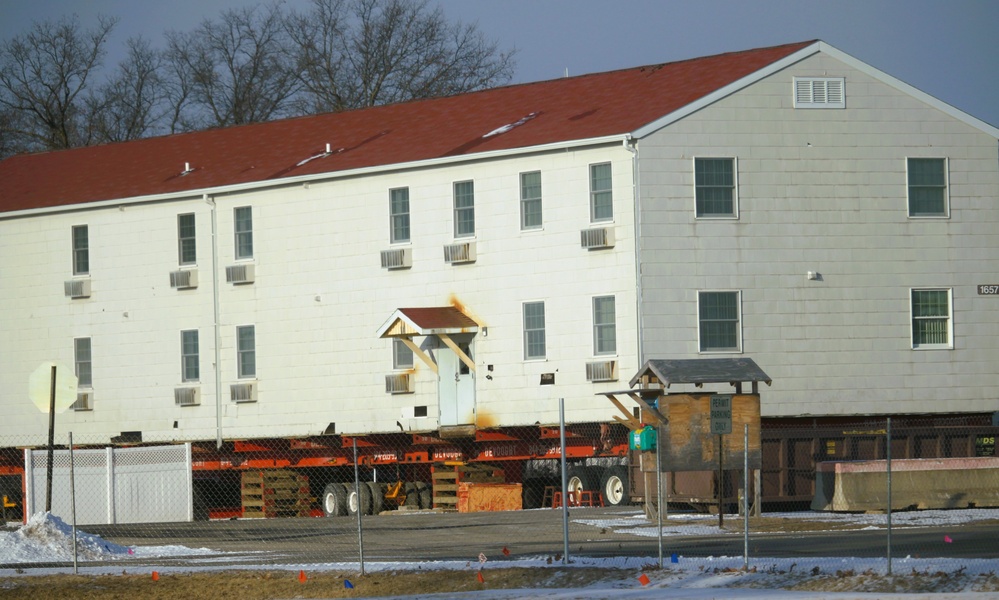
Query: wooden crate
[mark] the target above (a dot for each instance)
(489, 497)
(447, 477)
(275, 493)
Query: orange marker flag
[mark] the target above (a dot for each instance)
(301, 576)
(643, 579)
(478, 576)
(156, 576)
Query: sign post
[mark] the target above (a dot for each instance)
(721, 424)
(52, 387)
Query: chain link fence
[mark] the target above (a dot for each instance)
(903, 487)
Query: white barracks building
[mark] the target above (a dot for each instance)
(416, 267)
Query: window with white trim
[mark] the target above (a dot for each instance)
(187, 249)
(534, 330)
(931, 318)
(601, 193)
(246, 351)
(604, 326)
(819, 92)
(243, 231)
(530, 200)
(83, 362)
(81, 250)
(715, 187)
(399, 215)
(927, 187)
(190, 369)
(718, 322)
(464, 209)
(402, 355)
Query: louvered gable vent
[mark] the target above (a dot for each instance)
(819, 92)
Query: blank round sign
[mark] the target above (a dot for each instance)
(40, 387)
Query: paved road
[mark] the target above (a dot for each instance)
(425, 536)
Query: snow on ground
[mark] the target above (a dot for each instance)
(46, 538)
(694, 524)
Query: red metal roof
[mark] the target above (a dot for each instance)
(575, 108)
(438, 318)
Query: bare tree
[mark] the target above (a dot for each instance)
(44, 75)
(232, 71)
(358, 53)
(131, 105)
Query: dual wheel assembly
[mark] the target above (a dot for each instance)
(611, 482)
(371, 497)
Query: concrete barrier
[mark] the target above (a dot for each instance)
(916, 483)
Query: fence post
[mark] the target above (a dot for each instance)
(660, 504)
(357, 498)
(888, 472)
(565, 483)
(72, 500)
(745, 497)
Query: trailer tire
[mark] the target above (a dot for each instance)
(377, 497)
(614, 486)
(412, 497)
(358, 500)
(425, 495)
(534, 491)
(335, 500)
(582, 479)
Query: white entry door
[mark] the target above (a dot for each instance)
(455, 388)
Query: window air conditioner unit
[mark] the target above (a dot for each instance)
(184, 280)
(77, 288)
(84, 401)
(243, 392)
(605, 370)
(399, 258)
(594, 239)
(463, 252)
(238, 274)
(398, 383)
(187, 396)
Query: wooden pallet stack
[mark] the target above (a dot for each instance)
(275, 493)
(446, 478)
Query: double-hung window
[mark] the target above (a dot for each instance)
(399, 215)
(601, 194)
(927, 179)
(718, 321)
(530, 200)
(402, 355)
(81, 250)
(244, 232)
(604, 326)
(931, 318)
(189, 363)
(246, 351)
(464, 209)
(82, 360)
(715, 187)
(186, 239)
(534, 330)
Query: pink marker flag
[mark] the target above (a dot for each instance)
(947, 539)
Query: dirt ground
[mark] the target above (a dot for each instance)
(274, 585)
(269, 585)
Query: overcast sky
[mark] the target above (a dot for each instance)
(947, 48)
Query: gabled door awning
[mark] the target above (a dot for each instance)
(439, 321)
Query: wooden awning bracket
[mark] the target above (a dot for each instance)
(417, 351)
(628, 420)
(450, 344)
(649, 410)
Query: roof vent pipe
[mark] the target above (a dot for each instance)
(328, 149)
